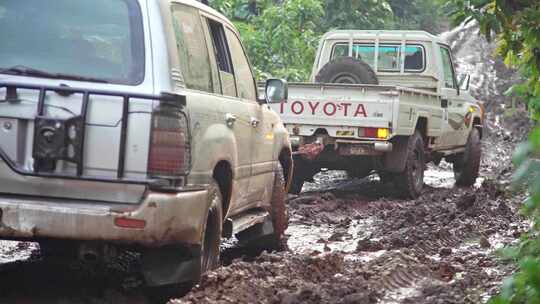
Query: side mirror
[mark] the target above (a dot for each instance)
(276, 91)
(465, 82)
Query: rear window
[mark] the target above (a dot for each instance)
(389, 59)
(100, 39)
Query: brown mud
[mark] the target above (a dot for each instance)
(353, 241)
(349, 241)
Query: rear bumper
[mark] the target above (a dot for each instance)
(341, 147)
(170, 218)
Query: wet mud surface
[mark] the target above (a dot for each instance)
(349, 241)
(354, 241)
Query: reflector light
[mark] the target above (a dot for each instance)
(382, 133)
(379, 133)
(130, 223)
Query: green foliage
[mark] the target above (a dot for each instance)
(515, 24)
(281, 36)
(356, 14)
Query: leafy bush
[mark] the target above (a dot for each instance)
(281, 36)
(516, 26)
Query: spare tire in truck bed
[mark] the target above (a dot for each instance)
(347, 70)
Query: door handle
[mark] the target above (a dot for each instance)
(230, 119)
(255, 122)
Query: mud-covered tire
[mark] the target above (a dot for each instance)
(257, 238)
(410, 182)
(280, 213)
(386, 177)
(467, 165)
(347, 70)
(211, 236)
(297, 183)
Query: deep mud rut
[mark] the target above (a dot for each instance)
(349, 241)
(353, 241)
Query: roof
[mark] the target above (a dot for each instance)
(383, 35)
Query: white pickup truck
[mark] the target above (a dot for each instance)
(384, 101)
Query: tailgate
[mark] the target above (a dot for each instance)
(338, 105)
(74, 143)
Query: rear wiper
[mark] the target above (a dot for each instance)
(22, 70)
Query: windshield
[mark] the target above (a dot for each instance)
(96, 39)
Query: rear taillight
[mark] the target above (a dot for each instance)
(378, 133)
(169, 144)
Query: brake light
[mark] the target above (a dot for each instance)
(124, 222)
(379, 133)
(169, 153)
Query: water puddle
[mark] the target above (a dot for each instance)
(12, 251)
(306, 239)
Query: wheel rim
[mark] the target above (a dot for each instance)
(345, 79)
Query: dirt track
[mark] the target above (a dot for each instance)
(350, 241)
(354, 242)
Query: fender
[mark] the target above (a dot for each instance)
(396, 160)
(216, 144)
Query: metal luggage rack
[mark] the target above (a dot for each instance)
(63, 139)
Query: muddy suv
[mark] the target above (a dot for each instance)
(136, 125)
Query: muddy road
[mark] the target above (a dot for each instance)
(353, 241)
(349, 241)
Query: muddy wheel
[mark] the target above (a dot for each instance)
(347, 70)
(411, 181)
(280, 214)
(212, 230)
(297, 183)
(386, 177)
(467, 165)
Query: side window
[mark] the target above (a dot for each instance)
(192, 50)
(366, 52)
(340, 50)
(223, 58)
(448, 70)
(414, 58)
(244, 78)
(389, 58)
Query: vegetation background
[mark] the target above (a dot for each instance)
(281, 37)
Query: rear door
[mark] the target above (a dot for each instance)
(102, 49)
(262, 147)
(235, 113)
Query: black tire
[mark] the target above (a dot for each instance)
(211, 238)
(347, 70)
(386, 177)
(467, 165)
(256, 238)
(280, 213)
(411, 181)
(297, 183)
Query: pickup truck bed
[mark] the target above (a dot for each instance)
(340, 109)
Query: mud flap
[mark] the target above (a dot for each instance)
(256, 233)
(396, 160)
(171, 265)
